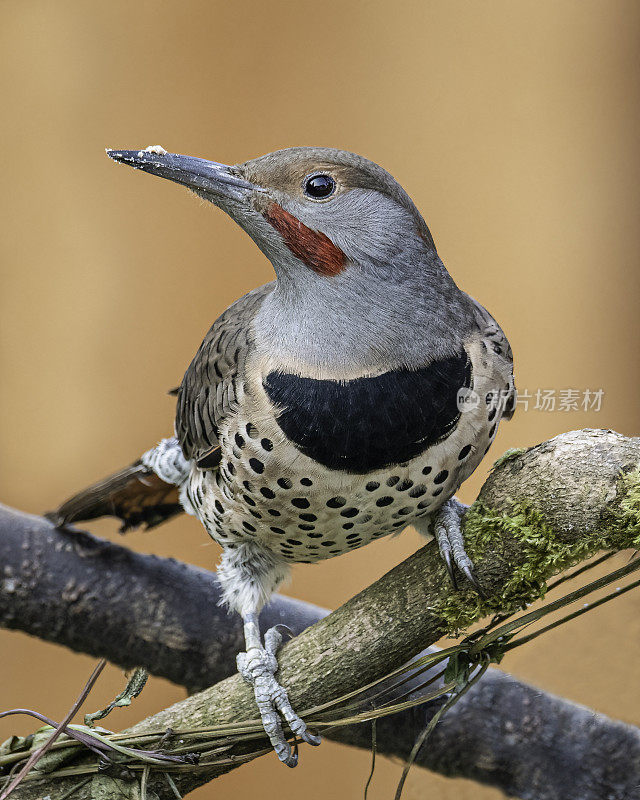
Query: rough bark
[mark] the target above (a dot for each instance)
(134, 609)
(571, 498)
(100, 598)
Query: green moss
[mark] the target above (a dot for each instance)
(508, 455)
(627, 516)
(545, 553)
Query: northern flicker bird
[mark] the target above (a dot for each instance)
(340, 403)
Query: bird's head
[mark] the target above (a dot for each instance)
(307, 208)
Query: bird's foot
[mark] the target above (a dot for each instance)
(258, 666)
(448, 532)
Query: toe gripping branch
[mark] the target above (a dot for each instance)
(448, 532)
(258, 666)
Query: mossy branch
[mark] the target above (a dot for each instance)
(539, 512)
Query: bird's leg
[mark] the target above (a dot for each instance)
(249, 574)
(258, 666)
(446, 525)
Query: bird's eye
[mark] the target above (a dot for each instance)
(319, 186)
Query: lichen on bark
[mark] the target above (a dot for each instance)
(544, 550)
(538, 512)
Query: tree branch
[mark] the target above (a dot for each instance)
(568, 497)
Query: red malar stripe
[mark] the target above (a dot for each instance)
(315, 249)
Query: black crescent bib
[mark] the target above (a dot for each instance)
(367, 424)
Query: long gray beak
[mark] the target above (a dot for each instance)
(218, 180)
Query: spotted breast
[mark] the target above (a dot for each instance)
(314, 468)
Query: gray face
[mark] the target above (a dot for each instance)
(351, 201)
(358, 273)
(306, 207)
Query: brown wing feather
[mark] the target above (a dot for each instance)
(207, 393)
(136, 495)
(209, 388)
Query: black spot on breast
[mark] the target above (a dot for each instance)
(239, 440)
(418, 490)
(426, 470)
(266, 444)
(268, 493)
(274, 512)
(252, 431)
(404, 485)
(464, 452)
(370, 423)
(284, 483)
(248, 526)
(277, 530)
(336, 502)
(306, 481)
(300, 502)
(256, 465)
(393, 480)
(441, 477)
(384, 501)
(372, 486)
(349, 512)
(308, 517)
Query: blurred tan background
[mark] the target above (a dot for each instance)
(514, 126)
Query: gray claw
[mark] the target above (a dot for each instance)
(445, 553)
(451, 542)
(291, 757)
(258, 667)
(470, 576)
(282, 628)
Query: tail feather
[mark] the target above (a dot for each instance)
(135, 494)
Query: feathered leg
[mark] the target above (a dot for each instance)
(249, 574)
